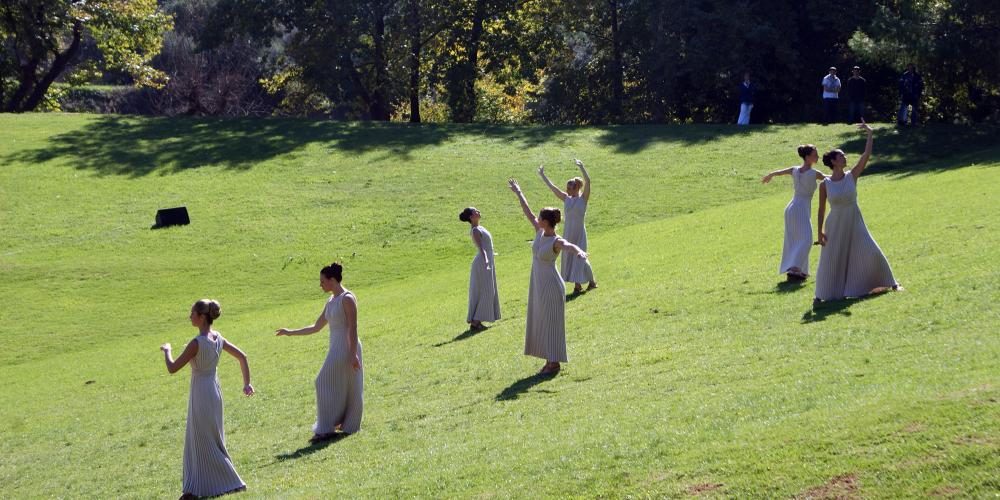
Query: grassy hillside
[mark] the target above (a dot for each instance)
(692, 370)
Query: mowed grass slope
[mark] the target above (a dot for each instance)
(691, 370)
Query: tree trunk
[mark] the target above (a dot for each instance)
(465, 109)
(415, 47)
(26, 82)
(58, 66)
(380, 103)
(617, 72)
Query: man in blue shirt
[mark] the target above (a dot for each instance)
(831, 96)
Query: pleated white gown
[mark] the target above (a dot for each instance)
(208, 471)
(851, 264)
(339, 389)
(574, 269)
(798, 224)
(484, 301)
(545, 328)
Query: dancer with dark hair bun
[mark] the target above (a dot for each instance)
(851, 263)
(575, 200)
(340, 383)
(545, 328)
(208, 470)
(484, 301)
(798, 227)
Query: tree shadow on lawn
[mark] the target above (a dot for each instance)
(139, 146)
(824, 309)
(903, 152)
(632, 139)
(310, 449)
(521, 386)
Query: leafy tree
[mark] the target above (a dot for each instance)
(40, 40)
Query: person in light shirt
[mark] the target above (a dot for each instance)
(831, 96)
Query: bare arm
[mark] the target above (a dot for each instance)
(244, 365)
(552, 187)
(785, 171)
(350, 305)
(561, 244)
(478, 239)
(863, 161)
(308, 330)
(524, 203)
(820, 237)
(586, 180)
(189, 353)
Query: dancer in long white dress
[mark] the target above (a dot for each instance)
(484, 301)
(798, 224)
(208, 470)
(575, 200)
(340, 383)
(545, 327)
(851, 264)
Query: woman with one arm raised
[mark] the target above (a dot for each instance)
(851, 263)
(575, 200)
(545, 327)
(340, 383)
(798, 228)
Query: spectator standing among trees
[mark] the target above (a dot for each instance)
(831, 96)
(856, 89)
(747, 91)
(911, 87)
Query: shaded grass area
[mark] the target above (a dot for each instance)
(691, 371)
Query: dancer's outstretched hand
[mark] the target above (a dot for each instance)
(864, 126)
(541, 170)
(578, 162)
(281, 331)
(165, 347)
(767, 178)
(513, 185)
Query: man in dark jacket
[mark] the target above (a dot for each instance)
(911, 87)
(856, 96)
(747, 91)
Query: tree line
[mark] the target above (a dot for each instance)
(506, 61)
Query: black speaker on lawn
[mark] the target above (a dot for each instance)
(177, 216)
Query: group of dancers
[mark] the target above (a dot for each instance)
(208, 469)
(851, 265)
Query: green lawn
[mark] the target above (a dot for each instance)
(692, 370)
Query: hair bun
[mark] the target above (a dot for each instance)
(214, 309)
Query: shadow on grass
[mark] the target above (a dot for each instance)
(821, 311)
(786, 286)
(471, 332)
(521, 386)
(139, 146)
(310, 449)
(904, 152)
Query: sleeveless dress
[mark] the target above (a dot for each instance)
(208, 471)
(798, 227)
(574, 269)
(484, 301)
(851, 264)
(339, 389)
(545, 328)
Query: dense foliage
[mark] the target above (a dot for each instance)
(511, 61)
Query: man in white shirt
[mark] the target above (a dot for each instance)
(831, 96)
